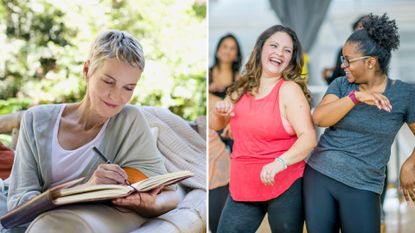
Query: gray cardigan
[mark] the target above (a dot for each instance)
(127, 142)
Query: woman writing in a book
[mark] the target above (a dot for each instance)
(56, 141)
(273, 133)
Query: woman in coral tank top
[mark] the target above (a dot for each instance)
(273, 133)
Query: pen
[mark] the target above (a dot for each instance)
(107, 161)
(101, 155)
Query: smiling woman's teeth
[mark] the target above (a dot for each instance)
(275, 61)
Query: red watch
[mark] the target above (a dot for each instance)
(352, 96)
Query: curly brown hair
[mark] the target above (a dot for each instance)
(250, 79)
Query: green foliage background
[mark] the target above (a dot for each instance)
(45, 42)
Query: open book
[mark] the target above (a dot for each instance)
(72, 192)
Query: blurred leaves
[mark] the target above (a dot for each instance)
(45, 43)
(13, 105)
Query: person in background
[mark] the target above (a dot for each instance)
(219, 166)
(363, 111)
(273, 133)
(226, 66)
(224, 71)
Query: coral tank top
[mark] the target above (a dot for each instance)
(259, 138)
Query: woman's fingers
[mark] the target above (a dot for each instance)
(116, 168)
(156, 191)
(270, 178)
(405, 195)
(379, 100)
(262, 176)
(267, 176)
(411, 193)
(104, 180)
(408, 191)
(110, 173)
(224, 108)
(384, 102)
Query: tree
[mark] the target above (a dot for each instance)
(46, 43)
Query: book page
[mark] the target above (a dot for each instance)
(85, 188)
(97, 195)
(165, 179)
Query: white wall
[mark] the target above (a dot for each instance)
(246, 19)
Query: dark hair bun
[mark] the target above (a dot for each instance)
(382, 30)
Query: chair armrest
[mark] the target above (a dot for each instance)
(9, 122)
(199, 125)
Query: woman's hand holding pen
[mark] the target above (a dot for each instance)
(108, 174)
(224, 108)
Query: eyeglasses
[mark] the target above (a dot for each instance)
(346, 62)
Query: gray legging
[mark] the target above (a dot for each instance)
(285, 213)
(331, 205)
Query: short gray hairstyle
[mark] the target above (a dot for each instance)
(116, 44)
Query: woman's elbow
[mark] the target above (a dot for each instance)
(311, 140)
(216, 124)
(320, 121)
(316, 118)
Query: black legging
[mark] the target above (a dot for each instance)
(331, 205)
(285, 213)
(383, 195)
(217, 199)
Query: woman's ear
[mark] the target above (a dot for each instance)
(85, 70)
(372, 62)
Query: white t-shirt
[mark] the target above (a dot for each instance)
(69, 164)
